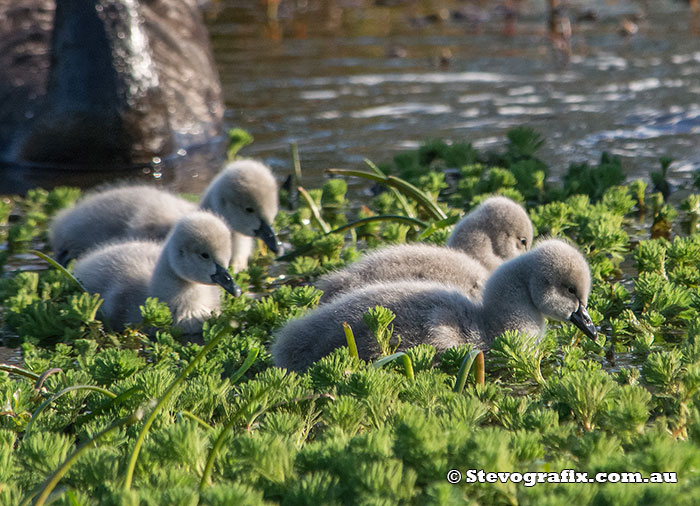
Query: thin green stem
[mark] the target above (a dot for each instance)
(252, 355)
(363, 221)
(314, 210)
(399, 196)
(19, 371)
(53, 480)
(55, 396)
(466, 366)
(403, 186)
(408, 367)
(195, 418)
(350, 338)
(405, 359)
(220, 440)
(113, 402)
(60, 268)
(40, 381)
(161, 402)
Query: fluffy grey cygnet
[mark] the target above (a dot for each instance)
(183, 272)
(419, 262)
(552, 281)
(244, 194)
(496, 230)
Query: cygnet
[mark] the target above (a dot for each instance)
(552, 281)
(244, 194)
(419, 262)
(183, 272)
(495, 231)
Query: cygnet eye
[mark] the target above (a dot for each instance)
(204, 255)
(572, 290)
(523, 241)
(249, 210)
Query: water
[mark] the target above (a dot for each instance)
(351, 79)
(348, 83)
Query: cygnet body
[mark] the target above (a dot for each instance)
(495, 231)
(183, 272)
(418, 262)
(244, 194)
(552, 280)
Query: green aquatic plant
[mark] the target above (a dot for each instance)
(379, 319)
(593, 181)
(520, 356)
(691, 206)
(238, 138)
(232, 429)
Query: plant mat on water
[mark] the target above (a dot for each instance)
(141, 417)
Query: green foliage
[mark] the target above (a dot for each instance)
(237, 140)
(379, 319)
(345, 432)
(520, 356)
(593, 181)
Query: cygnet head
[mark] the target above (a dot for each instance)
(510, 226)
(503, 221)
(198, 247)
(560, 282)
(245, 194)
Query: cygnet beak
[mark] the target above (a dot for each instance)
(63, 257)
(582, 320)
(268, 236)
(222, 278)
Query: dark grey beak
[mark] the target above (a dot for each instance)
(222, 278)
(268, 236)
(63, 257)
(583, 321)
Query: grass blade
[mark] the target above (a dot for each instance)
(13, 369)
(53, 480)
(403, 186)
(383, 217)
(406, 360)
(314, 210)
(53, 263)
(55, 396)
(399, 196)
(466, 366)
(252, 355)
(161, 402)
(350, 338)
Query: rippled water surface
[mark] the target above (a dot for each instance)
(348, 83)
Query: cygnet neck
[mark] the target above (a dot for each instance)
(507, 302)
(165, 281)
(483, 253)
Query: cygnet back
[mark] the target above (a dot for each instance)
(139, 211)
(182, 272)
(420, 262)
(244, 194)
(496, 230)
(552, 280)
